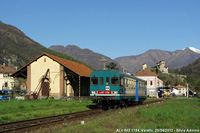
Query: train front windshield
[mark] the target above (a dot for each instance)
(94, 81)
(114, 81)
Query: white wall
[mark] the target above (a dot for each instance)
(9, 80)
(152, 89)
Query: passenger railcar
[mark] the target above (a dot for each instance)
(114, 88)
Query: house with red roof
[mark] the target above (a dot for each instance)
(153, 82)
(6, 82)
(66, 77)
(180, 90)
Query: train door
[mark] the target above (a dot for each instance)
(137, 91)
(103, 82)
(121, 85)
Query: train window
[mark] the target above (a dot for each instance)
(107, 80)
(101, 80)
(114, 80)
(134, 84)
(126, 82)
(94, 81)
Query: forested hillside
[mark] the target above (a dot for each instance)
(16, 49)
(192, 71)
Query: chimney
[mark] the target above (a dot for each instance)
(144, 66)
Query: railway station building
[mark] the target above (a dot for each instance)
(65, 77)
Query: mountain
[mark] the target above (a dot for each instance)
(176, 59)
(192, 69)
(16, 49)
(194, 49)
(85, 55)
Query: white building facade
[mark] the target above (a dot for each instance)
(6, 82)
(153, 82)
(180, 90)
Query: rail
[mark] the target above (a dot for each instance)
(32, 124)
(28, 125)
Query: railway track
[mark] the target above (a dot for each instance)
(33, 124)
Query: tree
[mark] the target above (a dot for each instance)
(197, 85)
(112, 66)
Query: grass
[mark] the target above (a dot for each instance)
(171, 114)
(151, 99)
(15, 110)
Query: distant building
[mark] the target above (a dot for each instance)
(6, 82)
(153, 82)
(180, 90)
(64, 76)
(144, 66)
(162, 67)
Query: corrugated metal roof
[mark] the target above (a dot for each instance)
(145, 72)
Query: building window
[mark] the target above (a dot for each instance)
(151, 82)
(6, 84)
(5, 75)
(44, 59)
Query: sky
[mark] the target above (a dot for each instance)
(113, 28)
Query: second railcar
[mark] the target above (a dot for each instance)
(114, 88)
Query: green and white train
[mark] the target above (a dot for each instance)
(114, 88)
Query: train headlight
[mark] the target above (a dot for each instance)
(114, 92)
(93, 92)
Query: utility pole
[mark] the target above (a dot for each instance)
(79, 86)
(187, 91)
(104, 65)
(49, 87)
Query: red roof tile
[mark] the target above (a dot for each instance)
(73, 66)
(179, 86)
(6, 69)
(145, 72)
